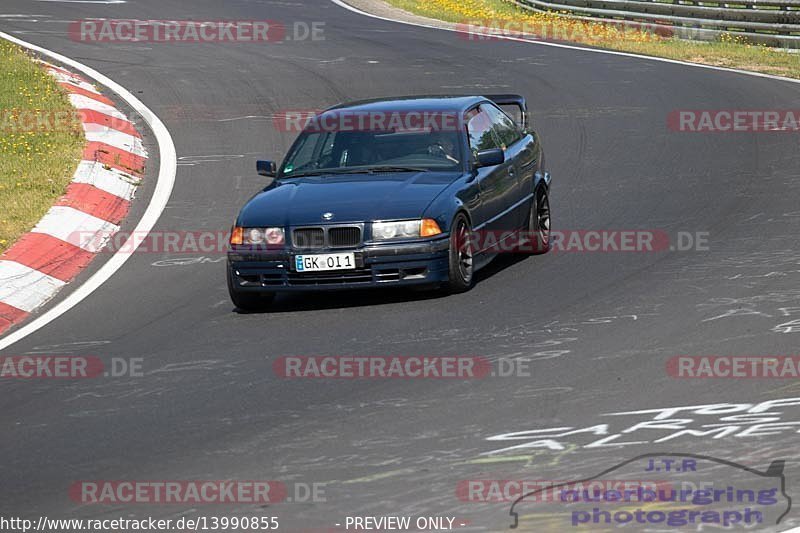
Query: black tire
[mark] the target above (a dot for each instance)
(539, 223)
(249, 301)
(461, 271)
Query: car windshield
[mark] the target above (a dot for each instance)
(318, 152)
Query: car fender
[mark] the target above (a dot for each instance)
(461, 195)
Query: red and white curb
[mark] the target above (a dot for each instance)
(80, 223)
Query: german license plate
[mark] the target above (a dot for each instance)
(322, 262)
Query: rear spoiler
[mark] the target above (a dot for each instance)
(512, 100)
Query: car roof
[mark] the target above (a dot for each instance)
(412, 103)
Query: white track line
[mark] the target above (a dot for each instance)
(347, 6)
(161, 194)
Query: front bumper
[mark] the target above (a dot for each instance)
(377, 265)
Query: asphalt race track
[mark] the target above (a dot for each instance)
(596, 328)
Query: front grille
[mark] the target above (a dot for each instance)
(344, 237)
(359, 275)
(309, 238)
(273, 276)
(318, 238)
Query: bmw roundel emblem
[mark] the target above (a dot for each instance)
(327, 216)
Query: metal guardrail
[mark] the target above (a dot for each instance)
(770, 22)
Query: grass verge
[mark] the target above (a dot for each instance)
(731, 50)
(41, 141)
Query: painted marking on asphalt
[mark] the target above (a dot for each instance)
(115, 138)
(113, 157)
(25, 288)
(191, 160)
(56, 68)
(158, 202)
(49, 255)
(10, 315)
(99, 203)
(82, 102)
(89, 116)
(73, 81)
(111, 181)
(343, 4)
(188, 261)
(88, 93)
(84, 215)
(76, 227)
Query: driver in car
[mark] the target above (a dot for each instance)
(443, 147)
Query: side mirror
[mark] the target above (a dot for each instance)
(490, 157)
(266, 168)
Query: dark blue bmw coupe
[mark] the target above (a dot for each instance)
(394, 192)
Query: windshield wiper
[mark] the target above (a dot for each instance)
(313, 173)
(357, 170)
(389, 168)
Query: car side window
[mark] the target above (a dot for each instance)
(505, 128)
(480, 131)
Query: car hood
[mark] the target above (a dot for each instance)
(349, 197)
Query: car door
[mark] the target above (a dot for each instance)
(520, 153)
(496, 183)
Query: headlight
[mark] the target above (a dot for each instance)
(254, 236)
(404, 229)
(269, 236)
(274, 236)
